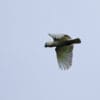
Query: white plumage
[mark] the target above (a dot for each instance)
(56, 36)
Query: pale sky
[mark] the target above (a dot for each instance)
(28, 71)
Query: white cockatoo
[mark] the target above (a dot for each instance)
(64, 49)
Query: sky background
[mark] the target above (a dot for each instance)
(28, 71)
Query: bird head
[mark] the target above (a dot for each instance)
(59, 37)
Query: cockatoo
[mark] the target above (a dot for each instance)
(64, 48)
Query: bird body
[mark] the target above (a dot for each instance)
(64, 49)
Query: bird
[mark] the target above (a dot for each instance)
(64, 45)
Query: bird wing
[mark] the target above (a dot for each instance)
(64, 56)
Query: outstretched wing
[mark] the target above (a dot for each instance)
(64, 56)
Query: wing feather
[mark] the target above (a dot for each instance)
(64, 56)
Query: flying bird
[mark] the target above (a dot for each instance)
(64, 48)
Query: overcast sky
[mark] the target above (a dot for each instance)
(28, 71)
